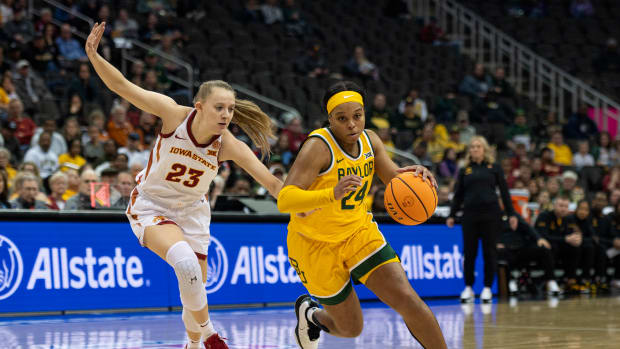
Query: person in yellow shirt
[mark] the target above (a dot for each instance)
(562, 154)
(434, 146)
(73, 159)
(454, 141)
(332, 238)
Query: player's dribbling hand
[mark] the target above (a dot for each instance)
(346, 185)
(92, 42)
(419, 170)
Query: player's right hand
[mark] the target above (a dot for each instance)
(92, 42)
(346, 185)
(450, 222)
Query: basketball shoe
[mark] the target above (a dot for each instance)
(467, 295)
(306, 333)
(215, 342)
(552, 288)
(486, 296)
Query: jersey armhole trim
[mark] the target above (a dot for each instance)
(167, 135)
(372, 148)
(331, 153)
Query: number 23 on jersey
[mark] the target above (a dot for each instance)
(179, 170)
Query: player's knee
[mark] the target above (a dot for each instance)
(189, 275)
(351, 329)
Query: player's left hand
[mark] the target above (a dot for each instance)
(419, 170)
(513, 222)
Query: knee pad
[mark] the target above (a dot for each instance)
(190, 323)
(185, 263)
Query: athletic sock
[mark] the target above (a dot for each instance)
(191, 344)
(311, 317)
(206, 329)
(310, 313)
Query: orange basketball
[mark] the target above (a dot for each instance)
(409, 200)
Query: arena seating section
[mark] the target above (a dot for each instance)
(571, 43)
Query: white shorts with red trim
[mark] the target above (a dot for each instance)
(193, 220)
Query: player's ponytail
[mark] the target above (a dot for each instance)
(255, 123)
(252, 120)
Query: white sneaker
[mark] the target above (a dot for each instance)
(512, 287)
(615, 283)
(467, 295)
(306, 333)
(552, 288)
(486, 296)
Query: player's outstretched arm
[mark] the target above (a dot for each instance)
(311, 160)
(239, 152)
(151, 102)
(386, 168)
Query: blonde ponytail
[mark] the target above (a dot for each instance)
(252, 120)
(255, 123)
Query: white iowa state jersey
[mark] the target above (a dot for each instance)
(180, 169)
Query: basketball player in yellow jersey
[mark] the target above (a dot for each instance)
(331, 236)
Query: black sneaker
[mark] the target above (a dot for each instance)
(306, 333)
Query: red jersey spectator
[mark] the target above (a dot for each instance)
(118, 126)
(432, 32)
(25, 125)
(295, 134)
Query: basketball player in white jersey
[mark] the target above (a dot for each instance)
(168, 210)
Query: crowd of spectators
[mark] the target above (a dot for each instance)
(62, 132)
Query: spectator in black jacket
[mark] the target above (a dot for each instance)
(500, 85)
(84, 85)
(523, 244)
(614, 244)
(584, 252)
(554, 226)
(580, 126)
(605, 235)
(476, 191)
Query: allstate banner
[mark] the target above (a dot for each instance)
(52, 266)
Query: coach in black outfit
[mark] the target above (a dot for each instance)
(522, 245)
(476, 192)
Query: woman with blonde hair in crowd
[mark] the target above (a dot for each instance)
(58, 186)
(475, 191)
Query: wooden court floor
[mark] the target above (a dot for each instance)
(570, 323)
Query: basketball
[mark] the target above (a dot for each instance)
(409, 200)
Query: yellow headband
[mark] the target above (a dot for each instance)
(343, 97)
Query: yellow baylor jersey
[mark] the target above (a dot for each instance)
(344, 217)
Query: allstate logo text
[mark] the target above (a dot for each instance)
(11, 267)
(217, 266)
